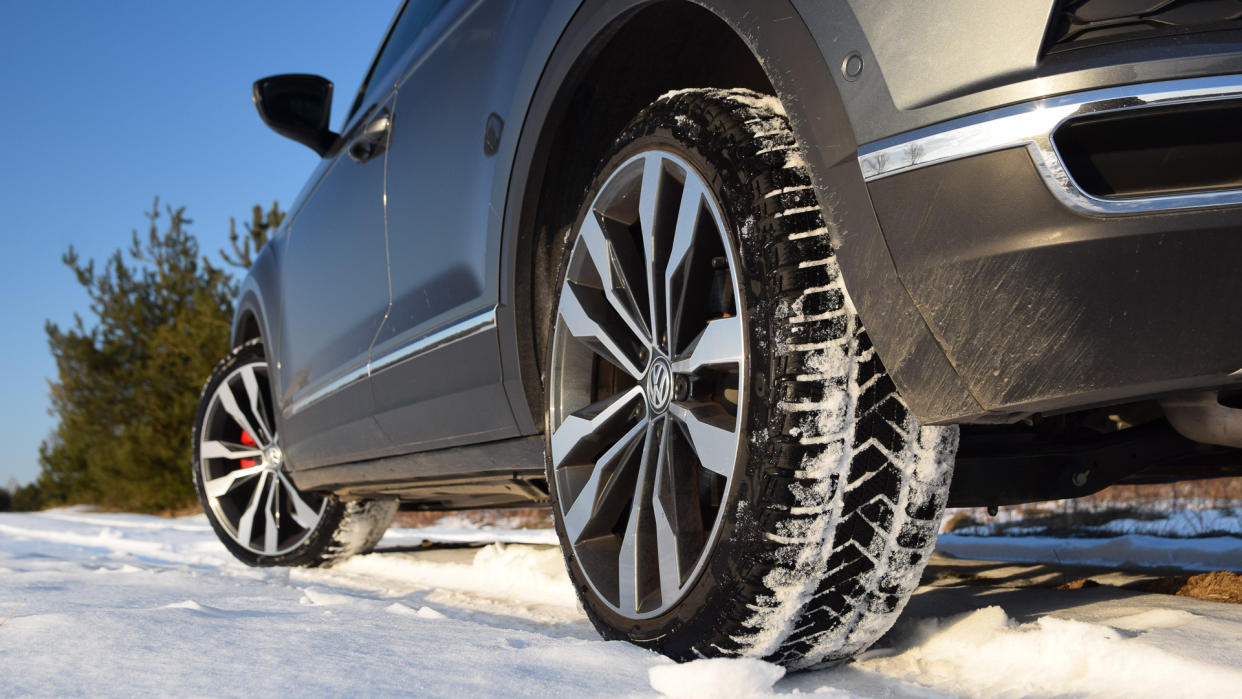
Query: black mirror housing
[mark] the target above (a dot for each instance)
(297, 106)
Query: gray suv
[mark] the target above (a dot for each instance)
(747, 292)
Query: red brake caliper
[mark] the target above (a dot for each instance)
(248, 441)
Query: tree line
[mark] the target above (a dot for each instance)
(128, 375)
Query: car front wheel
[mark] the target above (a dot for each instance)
(732, 471)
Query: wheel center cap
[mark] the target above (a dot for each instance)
(272, 455)
(659, 384)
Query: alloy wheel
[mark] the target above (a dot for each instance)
(646, 384)
(242, 468)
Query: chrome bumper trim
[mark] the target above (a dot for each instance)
(1032, 124)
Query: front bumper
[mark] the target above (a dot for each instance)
(1043, 296)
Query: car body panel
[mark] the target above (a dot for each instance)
(1035, 303)
(443, 232)
(804, 79)
(450, 363)
(521, 380)
(329, 321)
(258, 298)
(948, 37)
(913, 77)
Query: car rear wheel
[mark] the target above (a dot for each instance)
(732, 471)
(241, 475)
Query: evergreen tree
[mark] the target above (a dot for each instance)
(128, 384)
(262, 225)
(26, 498)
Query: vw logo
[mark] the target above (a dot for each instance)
(659, 384)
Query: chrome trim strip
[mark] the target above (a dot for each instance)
(1032, 125)
(353, 375)
(470, 325)
(484, 320)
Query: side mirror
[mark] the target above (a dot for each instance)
(297, 106)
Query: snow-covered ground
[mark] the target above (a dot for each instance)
(1161, 518)
(114, 604)
(1129, 550)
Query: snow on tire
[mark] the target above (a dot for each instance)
(832, 505)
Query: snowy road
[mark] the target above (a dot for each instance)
(113, 604)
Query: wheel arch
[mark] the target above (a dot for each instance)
(604, 61)
(256, 300)
(247, 325)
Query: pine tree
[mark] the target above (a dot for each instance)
(263, 225)
(26, 498)
(128, 384)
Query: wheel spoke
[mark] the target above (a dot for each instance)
(618, 286)
(588, 499)
(270, 518)
(245, 524)
(627, 567)
(220, 449)
(720, 342)
(583, 324)
(648, 210)
(302, 513)
(633, 565)
(667, 550)
(217, 487)
(256, 397)
(683, 239)
(225, 396)
(640, 559)
(687, 221)
(589, 422)
(716, 447)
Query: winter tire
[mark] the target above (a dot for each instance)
(242, 480)
(732, 471)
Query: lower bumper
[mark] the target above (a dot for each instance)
(1037, 125)
(1041, 303)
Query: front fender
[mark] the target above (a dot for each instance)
(803, 77)
(258, 304)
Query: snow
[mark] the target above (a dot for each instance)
(1187, 522)
(715, 678)
(1160, 517)
(116, 604)
(1008, 658)
(517, 574)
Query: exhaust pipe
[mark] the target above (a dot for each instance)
(1201, 417)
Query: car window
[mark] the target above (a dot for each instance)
(414, 18)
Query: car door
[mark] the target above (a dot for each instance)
(335, 283)
(335, 295)
(436, 370)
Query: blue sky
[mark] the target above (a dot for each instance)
(108, 104)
